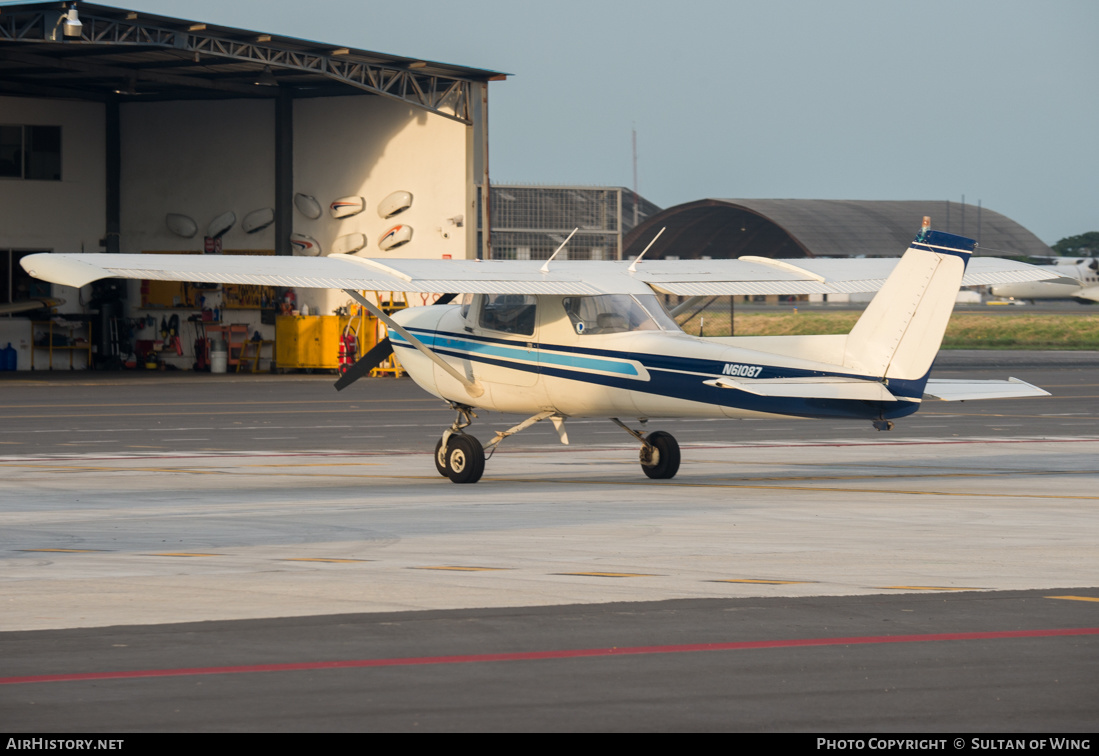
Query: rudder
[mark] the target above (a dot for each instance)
(902, 328)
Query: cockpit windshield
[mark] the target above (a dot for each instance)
(617, 313)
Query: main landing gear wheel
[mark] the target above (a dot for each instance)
(660, 455)
(464, 459)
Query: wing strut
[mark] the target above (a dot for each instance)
(473, 387)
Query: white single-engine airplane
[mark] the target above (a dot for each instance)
(1076, 279)
(556, 340)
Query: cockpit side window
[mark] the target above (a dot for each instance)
(509, 313)
(617, 313)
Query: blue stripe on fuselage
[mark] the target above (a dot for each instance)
(528, 359)
(670, 376)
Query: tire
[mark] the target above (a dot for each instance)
(440, 458)
(665, 458)
(465, 459)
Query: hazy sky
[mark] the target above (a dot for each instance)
(845, 99)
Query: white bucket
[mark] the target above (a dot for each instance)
(219, 361)
(219, 356)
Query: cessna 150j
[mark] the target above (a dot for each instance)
(566, 339)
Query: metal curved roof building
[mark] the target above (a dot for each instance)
(722, 228)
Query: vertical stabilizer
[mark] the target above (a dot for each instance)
(902, 328)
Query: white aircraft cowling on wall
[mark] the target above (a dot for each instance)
(565, 339)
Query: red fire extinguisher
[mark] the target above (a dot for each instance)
(349, 348)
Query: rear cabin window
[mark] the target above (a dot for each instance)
(617, 313)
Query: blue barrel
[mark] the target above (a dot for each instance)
(9, 358)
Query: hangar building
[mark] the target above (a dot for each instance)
(721, 228)
(130, 132)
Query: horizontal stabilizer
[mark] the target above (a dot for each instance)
(825, 387)
(949, 390)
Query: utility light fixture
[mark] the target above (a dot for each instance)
(71, 26)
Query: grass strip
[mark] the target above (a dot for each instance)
(967, 330)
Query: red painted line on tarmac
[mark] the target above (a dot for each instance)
(538, 655)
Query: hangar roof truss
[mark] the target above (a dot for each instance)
(147, 57)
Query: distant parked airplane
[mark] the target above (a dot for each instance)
(1075, 278)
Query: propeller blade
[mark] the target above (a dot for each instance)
(365, 364)
(375, 356)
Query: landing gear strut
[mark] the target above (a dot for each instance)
(659, 452)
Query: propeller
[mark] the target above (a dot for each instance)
(375, 356)
(365, 364)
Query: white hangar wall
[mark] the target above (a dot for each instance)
(204, 158)
(65, 215)
(371, 147)
(54, 216)
(197, 158)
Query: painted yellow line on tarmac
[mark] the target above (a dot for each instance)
(317, 464)
(737, 483)
(457, 568)
(904, 475)
(89, 468)
(183, 554)
(606, 574)
(927, 588)
(319, 559)
(765, 582)
(1074, 598)
(807, 489)
(67, 551)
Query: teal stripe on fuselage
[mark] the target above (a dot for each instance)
(521, 354)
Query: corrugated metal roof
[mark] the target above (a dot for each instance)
(823, 228)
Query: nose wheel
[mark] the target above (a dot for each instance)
(659, 451)
(458, 455)
(463, 460)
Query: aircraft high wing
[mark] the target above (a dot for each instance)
(554, 340)
(748, 276)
